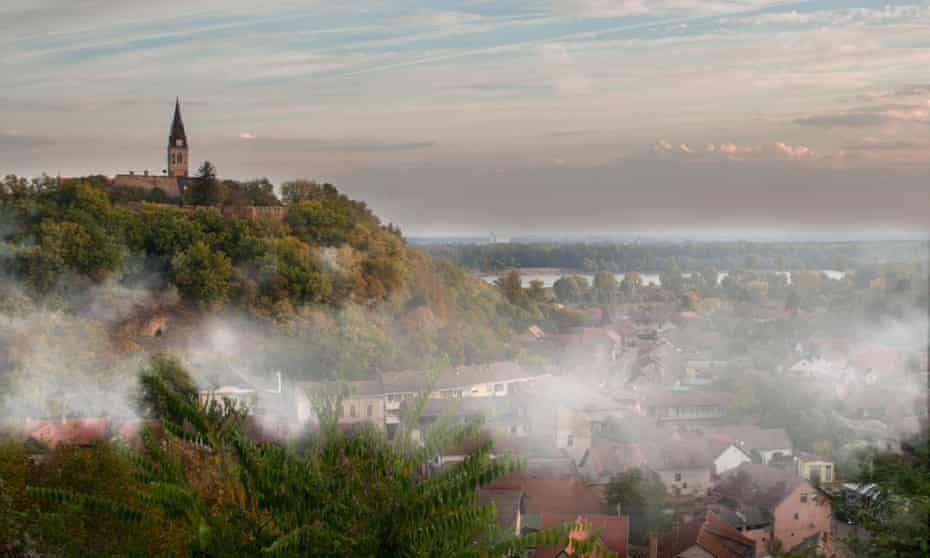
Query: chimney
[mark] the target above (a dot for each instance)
(145, 172)
(653, 545)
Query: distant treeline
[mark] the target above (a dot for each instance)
(689, 257)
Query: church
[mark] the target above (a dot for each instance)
(173, 180)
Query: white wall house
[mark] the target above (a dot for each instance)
(730, 458)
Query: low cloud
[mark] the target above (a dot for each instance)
(736, 152)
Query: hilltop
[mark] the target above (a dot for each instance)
(324, 288)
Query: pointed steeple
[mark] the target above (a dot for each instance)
(177, 138)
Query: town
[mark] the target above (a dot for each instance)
(509, 279)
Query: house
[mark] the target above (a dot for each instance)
(798, 509)
(754, 523)
(573, 432)
(731, 457)
(566, 496)
(239, 397)
(815, 468)
(613, 533)
(703, 537)
(73, 431)
(508, 503)
(769, 443)
(684, 466)
(683, 405)
(360, 402)
(386, 395)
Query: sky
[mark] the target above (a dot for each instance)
(505, 116)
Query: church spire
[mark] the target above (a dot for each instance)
(177, 144)
(177, 127)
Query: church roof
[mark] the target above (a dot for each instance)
(177, 127)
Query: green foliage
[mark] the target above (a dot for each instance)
(511, 286)
(205, 189)
(640, 494)
(605, 286)
(169, 370)
(288, 270)
(258, 192)
(201, 274)
(345, 495)
(896, 514)
(570, 288)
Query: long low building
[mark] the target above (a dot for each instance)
(381, 401)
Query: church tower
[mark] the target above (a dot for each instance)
(177, 145)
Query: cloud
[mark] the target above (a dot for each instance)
(313, 145)
(737, 152)
(835, 17)
(873, 115)
(795, 151)
(624, 8)
(563, 74)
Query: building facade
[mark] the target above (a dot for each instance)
(175, 175)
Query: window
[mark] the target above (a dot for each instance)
(803, 498)
(571, 440)
(828, 473)
(677, 477)
(369, 410)
(498, 388)
(796, 516)
(684, 485)
(351, 410)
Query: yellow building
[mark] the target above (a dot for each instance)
(815, 468)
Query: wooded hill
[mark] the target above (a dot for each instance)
(336, 290)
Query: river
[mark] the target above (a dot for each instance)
(548, 278)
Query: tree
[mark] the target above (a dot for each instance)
(632, 282)
(201, 274)
(511, 286)
(536, 290)
(169, 370)
(300, 190)
(258, 192)
(570, 288)
(896, 511)
(710, 276)
(344, 495)
(605, 285)
(205, 189)
(671, 278)
(640, 494)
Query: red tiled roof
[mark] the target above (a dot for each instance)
(82, 432)
(752, 484)
(753, 437)
(570, 496)
(711, 533)
(614, 529)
